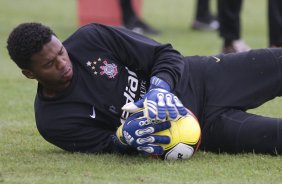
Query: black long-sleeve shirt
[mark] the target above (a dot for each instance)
(112, 66)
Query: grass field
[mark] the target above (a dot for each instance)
(26, 158)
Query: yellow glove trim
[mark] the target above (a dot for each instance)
(119, 135)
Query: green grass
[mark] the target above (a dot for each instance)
(26, 158)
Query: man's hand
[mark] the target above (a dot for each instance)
(137, 132)
(159, 103)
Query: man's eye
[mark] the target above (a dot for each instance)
(61, 52)
(49, 64)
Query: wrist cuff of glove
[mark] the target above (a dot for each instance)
(156, 82)
(120, 145)
(120, 137)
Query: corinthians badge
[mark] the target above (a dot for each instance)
(103, 68)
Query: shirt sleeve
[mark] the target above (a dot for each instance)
(137, 51)
(80, 137)
(70, 131)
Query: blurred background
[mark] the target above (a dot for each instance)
(172, 18)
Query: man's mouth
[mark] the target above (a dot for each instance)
(67, 72)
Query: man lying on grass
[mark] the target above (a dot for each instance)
(89, 85)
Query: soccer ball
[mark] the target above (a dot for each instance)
(185, 135)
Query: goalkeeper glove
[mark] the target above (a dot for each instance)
(159, 103)
(138, 132)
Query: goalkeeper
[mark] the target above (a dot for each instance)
(89, 84)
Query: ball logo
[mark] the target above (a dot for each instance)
(180, 156)
(179, 152)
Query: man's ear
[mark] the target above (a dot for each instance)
(29, 74)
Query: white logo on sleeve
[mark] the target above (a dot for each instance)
(216, 59)
(93, 113)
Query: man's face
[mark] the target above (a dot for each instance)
(51, 66)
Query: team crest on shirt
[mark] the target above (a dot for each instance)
(103, 68)
(109, 69)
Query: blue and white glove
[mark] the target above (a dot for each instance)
(159, 103)
(137, 132)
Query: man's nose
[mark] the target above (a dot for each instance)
(61, 63)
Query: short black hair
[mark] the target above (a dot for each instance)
(25, 40)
